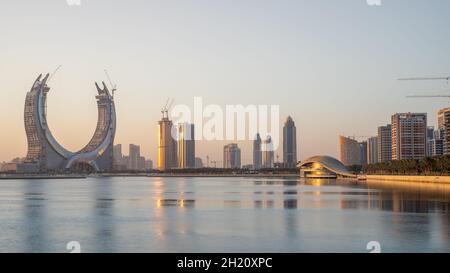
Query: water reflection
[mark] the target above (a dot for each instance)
(35, 221)
(173, 224)
(223, 214)
(401, 197)
(351, 195)
(182, 203)
(290, 204)
(103, 214)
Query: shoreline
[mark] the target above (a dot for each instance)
(41, 177)
(380, 178)
(412, 178)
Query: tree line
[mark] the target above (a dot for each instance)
(439, 165)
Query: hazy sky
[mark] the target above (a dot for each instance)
(332, 65)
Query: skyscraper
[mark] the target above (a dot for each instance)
(186, 146)
(350, 151)
(436, 145)
(372, 150)
(198, 163)
(134, 157)
(257, 154)
(385, 143)
(231, 156)
(289, 143)
(430, 138)
(409, 136)
(148, 164)
(167, 146)
(268, 153)
(444, 124)
(117, 156)
(363, 153)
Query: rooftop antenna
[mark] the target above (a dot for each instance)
(113, 85)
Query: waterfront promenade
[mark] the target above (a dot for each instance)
(241, 175)
(381, 178)
(411, 178)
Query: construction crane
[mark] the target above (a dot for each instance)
(430, 96)
(113, 86)
(53, 74)
(445, 78)
(48, 80)
(166, 108)
(215, 163)
(354, 137)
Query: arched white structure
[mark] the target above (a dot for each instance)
(46, 154)
(324, 166)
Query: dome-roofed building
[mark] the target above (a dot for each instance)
(324, 167)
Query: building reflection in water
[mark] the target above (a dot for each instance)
(174, 198)
(402, 197)
(318, 193)
(35, 220)
(398, 198)
(103, 215)
(181, 203)
(183, 214)
(173, 224)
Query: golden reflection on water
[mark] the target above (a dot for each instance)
(429, 188)
(302, 194)
(179, 200)
(316, 182)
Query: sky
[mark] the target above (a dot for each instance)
(332, 65)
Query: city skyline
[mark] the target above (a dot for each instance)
(412, 138)
(289, 57)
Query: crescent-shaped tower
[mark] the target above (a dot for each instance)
(46, 155)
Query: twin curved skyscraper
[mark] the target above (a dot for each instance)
(45, 154)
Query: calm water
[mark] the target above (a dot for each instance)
(222, 215)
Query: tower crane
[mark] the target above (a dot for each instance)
(354, 137)
(49, 79)
(215, 163)
(445, 78)
(166, 108)
(54, 72)
(429, 96)
(113, 86)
